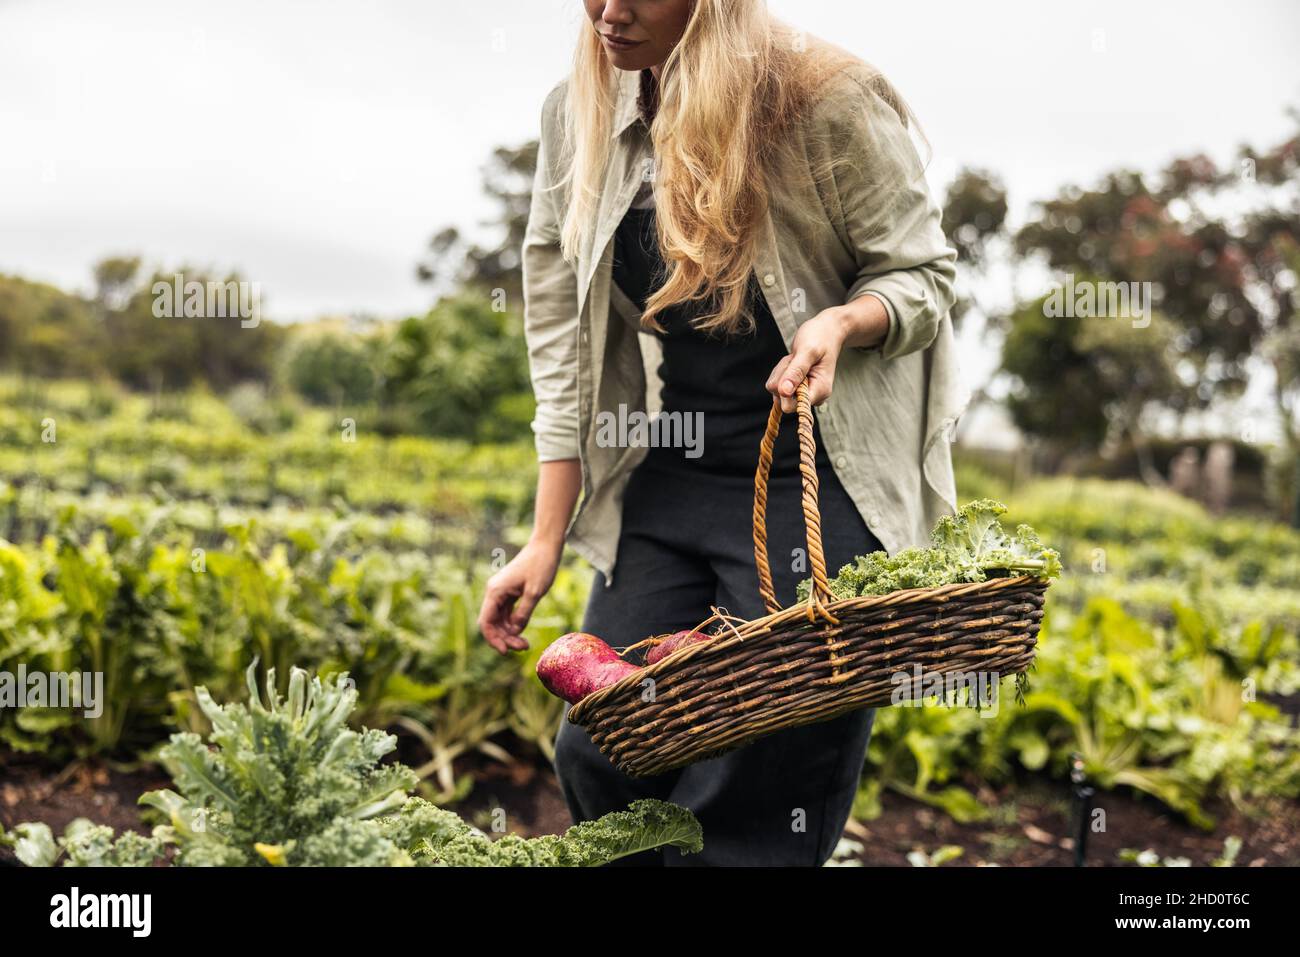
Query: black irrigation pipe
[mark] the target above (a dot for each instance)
(1083, 793)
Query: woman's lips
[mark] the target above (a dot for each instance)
(620, 44)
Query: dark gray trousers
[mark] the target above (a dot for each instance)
(686, 543)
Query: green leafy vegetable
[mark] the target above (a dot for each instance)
(83, 844)
(288, 783)
(645, 826)
(967, 547)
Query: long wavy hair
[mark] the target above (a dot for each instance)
(729, 94)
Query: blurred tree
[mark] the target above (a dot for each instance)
(147, 351)
(453, 261)
(459, 371)
(114, 277)
(445, 259)
(333, 368)
(47, 332)
(1215, 246)
(974, 219)
(1085, 382)
(1269, 237)
(974, 213)
(1051, 372)
(50, 333)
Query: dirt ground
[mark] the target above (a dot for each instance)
(1031, 825)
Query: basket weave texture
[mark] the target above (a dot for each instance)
(813, 661)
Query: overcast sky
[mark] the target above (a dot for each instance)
(316, 146)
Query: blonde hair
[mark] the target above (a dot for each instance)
(730, 92)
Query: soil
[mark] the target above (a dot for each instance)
(1031, 822)
(30, 790)
(527, 793)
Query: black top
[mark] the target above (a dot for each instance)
(722, 378)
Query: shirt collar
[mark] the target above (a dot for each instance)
(625, 106)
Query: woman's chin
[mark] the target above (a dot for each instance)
(630, 60)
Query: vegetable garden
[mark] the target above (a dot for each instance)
(173, 545)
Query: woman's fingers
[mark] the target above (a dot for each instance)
(489, 623)
(493, 635)
(774, 380)
(785, 378)
(820, 379)
(519, 619)
(809, 364)
(496, 623)
(795, 372)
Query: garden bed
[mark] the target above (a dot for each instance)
(1031, 825)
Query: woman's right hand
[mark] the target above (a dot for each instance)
(513, 593)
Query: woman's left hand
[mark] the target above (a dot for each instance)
(864, 321)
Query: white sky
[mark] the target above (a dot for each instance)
(315, 147)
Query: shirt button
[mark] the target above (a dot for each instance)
(842, 462)
(769, 280)
(874, 518)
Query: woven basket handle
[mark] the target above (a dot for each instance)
(820, 594)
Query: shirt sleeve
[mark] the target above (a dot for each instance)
(892, 222)
(550, 287)
(891, 319)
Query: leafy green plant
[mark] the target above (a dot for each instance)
(1151, 709)
(349, 558)
(471, 712)
(966, 547)
(161, 609)
(915, 752)
(83, 844)
(1097, 700)
(288, 783)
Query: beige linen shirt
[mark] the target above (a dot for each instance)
(888, 422)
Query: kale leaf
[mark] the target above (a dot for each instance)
(966, 547)
(288, 783)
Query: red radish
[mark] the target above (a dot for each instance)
(674, 641)
(577, 664)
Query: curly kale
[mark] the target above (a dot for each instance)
(288, 783)
(644, 826)
(966, 547)
(281, 776)
(83, 844)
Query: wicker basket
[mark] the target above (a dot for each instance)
(810, 662)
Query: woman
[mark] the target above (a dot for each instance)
(735, 208)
